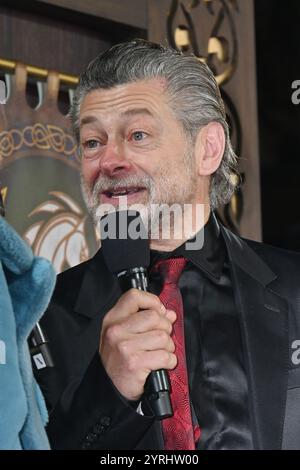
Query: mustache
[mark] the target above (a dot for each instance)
(104, 183)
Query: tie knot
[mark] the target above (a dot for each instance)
(170, 269)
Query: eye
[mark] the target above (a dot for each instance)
(91, 143)
(91, 147)
(138, 136)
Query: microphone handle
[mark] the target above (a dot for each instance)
(157, 387)
(39, 348)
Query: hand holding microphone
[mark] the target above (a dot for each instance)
(135, 345)
(135, 340)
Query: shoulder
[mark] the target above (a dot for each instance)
(270, 264)
(256, 255)
(74, 274)
(68, 285)
(285, 264)
(275, 257)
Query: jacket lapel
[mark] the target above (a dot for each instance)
(264, 327)
(98, 292)
(99, 289)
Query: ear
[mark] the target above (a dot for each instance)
(210, 145)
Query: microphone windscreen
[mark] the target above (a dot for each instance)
(124, 241)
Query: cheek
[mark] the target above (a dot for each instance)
(89, 171)
(172, 162)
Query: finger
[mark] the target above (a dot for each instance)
(171, 316)
(147, 320)
(159, 359)
(150, 341)
(135, 300)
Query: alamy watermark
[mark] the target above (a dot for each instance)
(296, 94)
(183, 222)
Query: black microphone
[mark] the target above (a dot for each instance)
(126, 251)
(39, 348)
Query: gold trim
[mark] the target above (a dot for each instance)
(4, 193)
(40, 72)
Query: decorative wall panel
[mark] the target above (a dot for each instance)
(221, 34)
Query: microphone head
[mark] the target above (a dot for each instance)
(124, 241)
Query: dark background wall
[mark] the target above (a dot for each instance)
(278, 65)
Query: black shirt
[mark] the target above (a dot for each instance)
(217, 378)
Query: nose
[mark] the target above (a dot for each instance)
(114, 162)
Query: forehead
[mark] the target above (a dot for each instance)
(148, 96)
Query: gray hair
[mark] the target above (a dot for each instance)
(194, 95)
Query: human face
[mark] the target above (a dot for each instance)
(133, 146)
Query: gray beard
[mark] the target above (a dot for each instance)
(169, 194)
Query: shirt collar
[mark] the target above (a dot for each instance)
(210, 258)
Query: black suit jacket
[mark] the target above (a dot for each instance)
(86, 411)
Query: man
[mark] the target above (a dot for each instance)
(151, 126)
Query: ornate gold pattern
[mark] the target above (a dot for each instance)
(40, 136)
(207, 29)
(59, 234)
(221, 53)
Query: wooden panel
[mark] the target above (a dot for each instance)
(239, 86)
(130, 12)
(45, 42)
(52, 37)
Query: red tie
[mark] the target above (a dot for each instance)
(178, 431)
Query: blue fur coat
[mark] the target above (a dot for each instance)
(26, 284)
